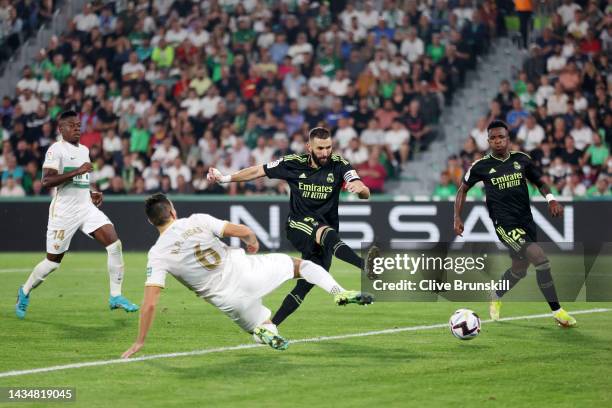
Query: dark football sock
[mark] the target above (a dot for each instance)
(512, 278)
(292, 301)
(331, 243)
(546, 285)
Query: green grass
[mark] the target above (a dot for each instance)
(516, 363)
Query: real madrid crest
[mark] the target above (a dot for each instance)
(330, 177)
(516, 165)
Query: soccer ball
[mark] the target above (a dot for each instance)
(464, 324)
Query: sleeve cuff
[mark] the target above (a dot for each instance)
(222, 232)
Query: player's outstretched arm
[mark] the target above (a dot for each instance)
(51, 177)
(147, 313)
(357, 187)
(459, 201)
(245, 234)
(250, 173)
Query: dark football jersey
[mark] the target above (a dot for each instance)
(314, 192)
(505, 183)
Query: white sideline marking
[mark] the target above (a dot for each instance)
(21, 270)
(16, 373)
(13, 270)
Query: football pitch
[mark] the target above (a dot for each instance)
(387, 354)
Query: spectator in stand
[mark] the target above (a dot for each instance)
(386, 114)
(11, 188)
(579, 27)
(601, 188)
(582, 135)
(372, 172)
(12, 170)
(505, 97)
(543, 155)
(177, 169)
(570, 154)
(91, 137)
(516, 117)
(480, 134)
(557, 102)
(530, 134)
(412, 46)
(397, 142)
(570, 78)
(344, 133)
(166, 153)
(420, 132)
(574, 186)
(596, 154)
(524, 9)
(355, 152)
(556, 62)
(454, 169)
(116, 187)
(445, 189)
(567, 11)
(469, 153)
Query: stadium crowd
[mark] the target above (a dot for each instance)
(167, 88)
(558, 107)
(18, 20)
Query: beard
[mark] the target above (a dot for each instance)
(320, 161)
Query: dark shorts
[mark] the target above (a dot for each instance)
(517, 237)
(302, 233)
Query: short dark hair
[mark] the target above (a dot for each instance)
(67, 114)
(319, 133)
(497, 124)
(157, 208)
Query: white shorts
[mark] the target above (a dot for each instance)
(61, 228)
(246, 282)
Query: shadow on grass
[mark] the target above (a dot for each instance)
(553, 333)
(298, 358)
(85, 331)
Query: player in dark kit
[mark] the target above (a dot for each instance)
(315, 180)
(505, 174)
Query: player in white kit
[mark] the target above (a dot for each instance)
(74, 207)
(190, 250)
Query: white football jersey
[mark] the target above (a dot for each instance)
(72, 196)
(191, 251)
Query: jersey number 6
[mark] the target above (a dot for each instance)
(204, 257)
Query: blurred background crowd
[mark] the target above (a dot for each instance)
(166, 89)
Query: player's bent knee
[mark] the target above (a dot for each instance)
(321, 232)
(106, 235)
(535, 254)
(56, 258)
(297, 262)
(300, 264)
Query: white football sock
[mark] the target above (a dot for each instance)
(316, 275)
(115, 267)
(39, 273)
